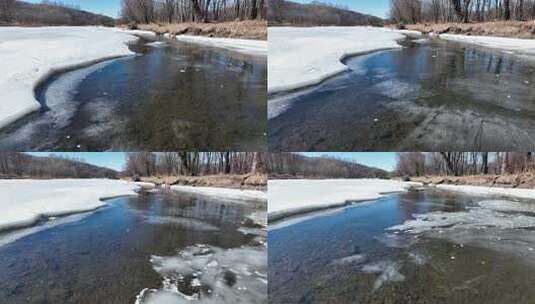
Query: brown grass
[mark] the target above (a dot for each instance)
(223, 181)
(235, 29)
(522, 180)
(512, 29)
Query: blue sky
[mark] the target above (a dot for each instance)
(377, 8)
(113, 160)
(106, 7)
(382, 160)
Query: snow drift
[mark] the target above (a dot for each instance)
(25, 202)
(300, 57)
(291, 197)
(28, 56)
(491, 191)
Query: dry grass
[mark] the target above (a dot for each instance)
(512, 29)
(522, 180)
(224, 181)
(235, 29)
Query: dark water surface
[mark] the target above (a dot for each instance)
(349, 256)
(170, 96)
(428, 96)
(106, 256)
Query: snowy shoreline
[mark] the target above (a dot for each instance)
(26, 202)
(288, 198)
(245, 46)
(30, 56)
(225, 193)
(293, 64)
(490, 191)
(526, 46)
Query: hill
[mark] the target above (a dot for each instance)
(21, 165)
(282, 12)
(292, 165)
(52, 13)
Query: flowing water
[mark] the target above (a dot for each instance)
(429, 96)
(135, 250)
(450, 248)
(170, 96)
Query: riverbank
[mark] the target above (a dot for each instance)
(293, 197)
(26, 202)
(31, 55)
(232, 181)
(508, 29)
(300, 57)
(256, 30)
(521, 181)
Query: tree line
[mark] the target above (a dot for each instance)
(292, 165)
(463, 163)
(48, 13)
(439, 11)
(20, 165)
(316, 13)
(194, 163)
(179, 11)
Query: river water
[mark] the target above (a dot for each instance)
(431, 95)
(451, 248)
(137, 248)
(170, 96)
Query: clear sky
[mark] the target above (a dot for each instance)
(382, 160)
(112, 160)
(377, 8)
(106, 7)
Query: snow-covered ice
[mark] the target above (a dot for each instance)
(290, 197)
(246, 46)
(509, 44)
(212, 275)
(304, 56)
(30, 55)
(491, 191)
(24, 202)
(224, 193)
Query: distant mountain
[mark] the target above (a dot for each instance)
(22, 165)
(55, 13)
(282, 12)
(292, 165)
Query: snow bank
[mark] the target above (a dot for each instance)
(300, 57)
(25, 202)
(30, 55)
(491, 191)
(247, 46)
(290, 197)
(224, 193)
(510, 44)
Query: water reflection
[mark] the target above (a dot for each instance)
(434, 96)
(174, 96)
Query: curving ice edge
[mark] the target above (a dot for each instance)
(25, 202)
(225, 193)
(292, 197)
(246, 46)
(29, 56)
(301, 57)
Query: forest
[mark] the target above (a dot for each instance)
(179, 11)
(48, 13)
(282, 12)
(441, 11)
(21, 165)
(292, 165)
(463, 163)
